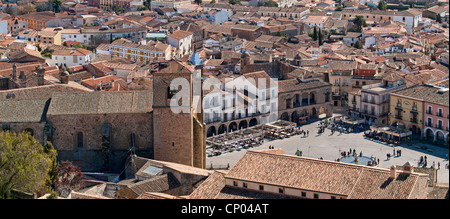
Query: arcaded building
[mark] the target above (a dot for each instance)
(303, 99)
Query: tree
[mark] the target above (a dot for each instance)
(11, 10)
(198, 2)
(320, 37)
(270, 3)
(69, 178)
(213, 2)
(438, 18)
(358, 45)
(359, 21)
(44, 6)
(56, 5)
(339, 8)
(147, 4)
(24, 164)
(234, 2)
(53, 171)
(25, 9)
(315, 34)
(382, 5)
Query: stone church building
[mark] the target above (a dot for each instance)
(99, 131)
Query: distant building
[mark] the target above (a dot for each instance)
(39, 20)
(72, 57)
(421, 107)
(182, 41)
(374, 102)
(168, 3)
(140, 53)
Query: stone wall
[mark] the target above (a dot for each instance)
(36, 127)
(67, 127)
(173, 136)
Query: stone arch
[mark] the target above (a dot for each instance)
(312, 97)
(440, 136)
(314, 112)
(429, 133)
(297, 100)
(294, 116)
(304, 99)
(211, 131)
(232, 126)
(415, 130)
(243, 124)
(253, 122)
(222, 129)
(304, 112)
(284, 116)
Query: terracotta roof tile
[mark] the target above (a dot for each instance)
(180, 34)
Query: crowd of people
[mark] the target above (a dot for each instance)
(352, 153)
(336, 125)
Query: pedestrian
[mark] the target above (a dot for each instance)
(394, 152)
(307, 132)
(439, 165)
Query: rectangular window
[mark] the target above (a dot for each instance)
(261, 187)
(281, 190)
(244, 185)
(235, 183)
(304, 194)
(440, 112)
(316, 196)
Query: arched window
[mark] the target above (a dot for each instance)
(80, 140)
(132, 140)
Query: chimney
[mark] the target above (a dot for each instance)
(40, 75)
(408, 168)
(393, 172)
(14, 72)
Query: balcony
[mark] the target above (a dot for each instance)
(398, 117)
(413, 120)
(429, 112)
(371, 101)
(440, 127)
(429, 124)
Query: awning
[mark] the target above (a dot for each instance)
(391, 130)
(352, 120)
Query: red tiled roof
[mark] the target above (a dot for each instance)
(180, 34)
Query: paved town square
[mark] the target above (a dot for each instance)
(329, 147)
